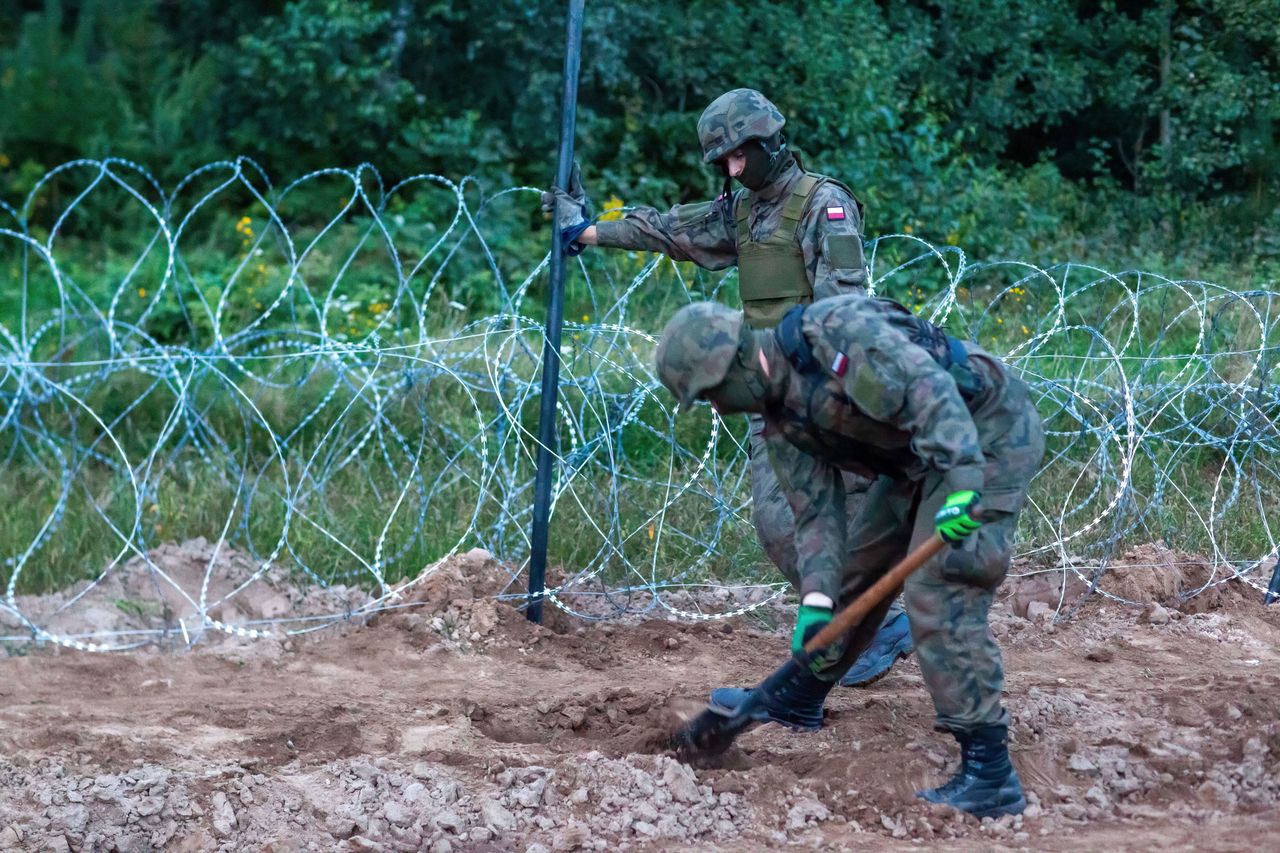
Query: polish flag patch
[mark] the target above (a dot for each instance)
(840, 364)
(835, 214)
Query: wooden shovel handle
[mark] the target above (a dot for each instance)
(863, 604)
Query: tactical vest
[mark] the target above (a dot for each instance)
(949, 353)
(772, 276)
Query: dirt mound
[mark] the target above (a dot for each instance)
(169, 591)
(455, 602)
(1129, 732)
(1151, 576)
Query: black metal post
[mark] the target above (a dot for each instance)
(1273, 592)
(555, 319)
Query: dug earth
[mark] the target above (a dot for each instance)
(455, 725)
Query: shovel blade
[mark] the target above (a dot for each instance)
(712, 732)
(707, 735)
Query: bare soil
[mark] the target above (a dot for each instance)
(456, 725)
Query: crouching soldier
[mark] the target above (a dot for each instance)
(861, 385)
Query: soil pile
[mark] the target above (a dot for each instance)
(167, 592)
(452, 724)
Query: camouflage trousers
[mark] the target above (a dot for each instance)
(948, 599)
(771, 513)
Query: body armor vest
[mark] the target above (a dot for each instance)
(772, 276)
(948, 352)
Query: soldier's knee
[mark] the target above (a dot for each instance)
(980, 567)
(983, 562)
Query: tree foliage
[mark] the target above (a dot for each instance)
(1006, 117)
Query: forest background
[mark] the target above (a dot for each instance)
(1125, 134)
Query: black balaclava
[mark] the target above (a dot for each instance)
(766, 160)
(745, 387)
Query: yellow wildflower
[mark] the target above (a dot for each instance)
(612, 209)
(142, 292)
(4, 161)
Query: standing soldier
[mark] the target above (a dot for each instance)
(862, 385)
(795, 238)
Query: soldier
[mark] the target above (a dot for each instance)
(795, 237)
(859, 384)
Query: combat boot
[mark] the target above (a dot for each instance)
(986, 784)
(891, 642)
(796, 703)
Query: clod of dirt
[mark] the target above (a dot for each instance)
(1100, 654)
(454, 602)
(1155, 614)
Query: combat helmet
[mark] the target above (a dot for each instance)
(735, 117)
(697, 347)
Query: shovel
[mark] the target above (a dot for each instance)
(712, 732)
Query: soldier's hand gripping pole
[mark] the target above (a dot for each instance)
(711, 733)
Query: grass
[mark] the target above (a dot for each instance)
(345, 473)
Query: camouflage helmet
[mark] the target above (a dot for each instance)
(696, 349)
(734, 118)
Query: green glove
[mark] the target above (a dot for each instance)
(955, 520)
(569, 208)
(810, 621)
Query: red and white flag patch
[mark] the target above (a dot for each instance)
(835, 214)
(840, 364)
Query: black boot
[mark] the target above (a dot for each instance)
(986, 784)
(794, 701)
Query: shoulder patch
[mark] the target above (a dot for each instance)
(840, 364)
(835, 213)
(844, 252)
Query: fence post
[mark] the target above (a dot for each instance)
(555, 319)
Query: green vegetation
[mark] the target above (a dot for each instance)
(1124, 135)
(1121, 133)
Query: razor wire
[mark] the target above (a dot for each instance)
(335, 404)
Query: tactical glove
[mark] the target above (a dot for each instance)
(809, 622)
(571, 210)
(956, 519)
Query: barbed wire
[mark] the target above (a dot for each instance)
(339, 403)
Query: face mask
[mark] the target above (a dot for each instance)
(766, 159)
(755, 172)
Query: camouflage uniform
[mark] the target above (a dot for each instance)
(884, 395)
(827, 233)
(892, 411)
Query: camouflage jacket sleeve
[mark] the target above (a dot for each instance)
(816, 493)
(703, 233)
(898, 383)
(833, 245)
